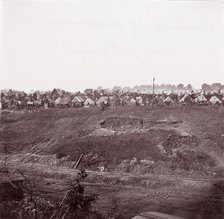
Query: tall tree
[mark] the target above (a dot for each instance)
(189, 87)
(180, 86)
(206, 87)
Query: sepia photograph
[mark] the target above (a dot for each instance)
(111, 109)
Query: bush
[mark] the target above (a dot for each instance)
(27, 209)
(76, 204)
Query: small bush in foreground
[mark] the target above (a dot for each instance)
(27, 209)
(75, 204)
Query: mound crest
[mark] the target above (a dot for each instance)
(118, 122)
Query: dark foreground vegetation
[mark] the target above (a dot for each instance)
(20, 200)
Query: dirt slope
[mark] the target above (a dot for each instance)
(128, 139)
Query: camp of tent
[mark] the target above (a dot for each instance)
(58, 98)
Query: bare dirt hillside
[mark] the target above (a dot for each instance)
(127, 139)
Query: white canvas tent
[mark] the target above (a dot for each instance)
(88, 103)
(215, 100)
(184, 98)
(77, 101)
(200, 99)
(168, 100)
(62, 101)
(139, 100)
(102, 100)
(132, 102)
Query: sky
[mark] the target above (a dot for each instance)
(81, 44)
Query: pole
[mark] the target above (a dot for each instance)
(153, 90)
(0, 107)
(79, 161)
(153, 86)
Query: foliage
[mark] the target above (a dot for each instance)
(212, 87)
(76, 204)
(26, 208)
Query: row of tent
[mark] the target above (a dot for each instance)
(78, 101)
(201, 99)
(75, 102)
(113, 100)
(65, 101)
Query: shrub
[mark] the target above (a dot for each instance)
(75, 203)
(27, 209)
